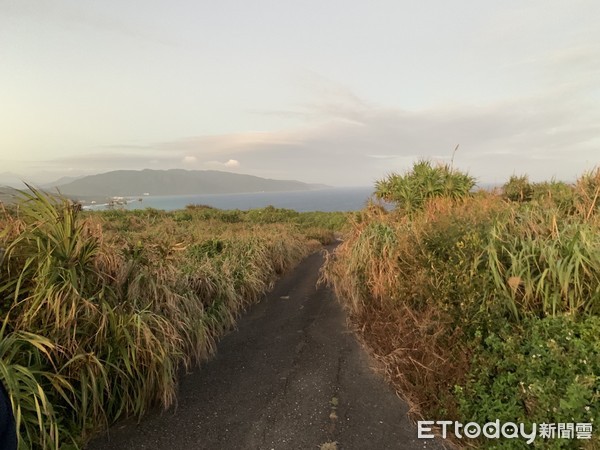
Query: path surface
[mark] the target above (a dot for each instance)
(291, 377)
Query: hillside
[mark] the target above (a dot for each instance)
(7, 194)
(175, 182)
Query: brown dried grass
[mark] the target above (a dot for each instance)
(419, 352)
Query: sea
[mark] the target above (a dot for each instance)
(330, 199)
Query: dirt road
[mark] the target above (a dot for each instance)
(291, 377)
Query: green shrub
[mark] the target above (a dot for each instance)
(270, 214)
(541, 371)
(231, 216)
(518, 189)
(555, 194)
(182, 216)
(207, 249)
(425, 181)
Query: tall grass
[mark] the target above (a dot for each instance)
(541, 265)
(431, 286)
(28, 374)
(101, 312)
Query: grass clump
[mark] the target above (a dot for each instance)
(411, 191)
(541, 265)
(101, 312)
(518, 189)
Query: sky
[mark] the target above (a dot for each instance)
(322, 91)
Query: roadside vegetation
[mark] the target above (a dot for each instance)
(481, 305)
(101, 312)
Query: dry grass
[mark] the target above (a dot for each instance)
(419, 353)
(414, 340)
(421, 289)
(100, 312)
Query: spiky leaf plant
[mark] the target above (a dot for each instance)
(425, 181)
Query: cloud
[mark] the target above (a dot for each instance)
(547, 134)
(383, 156)
(112, 159)
(68, 15)
(229, 164)
(551, 132)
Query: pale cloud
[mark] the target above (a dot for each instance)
(552, 133)
(219, 144)
(553, 130)
(104, 159)
(218, 165)
(91, 86)
(383, 156)
(73, 15)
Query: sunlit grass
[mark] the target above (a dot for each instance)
(430, 285)
(102, 311)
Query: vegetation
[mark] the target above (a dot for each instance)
(482, 306)
(101, 311)
(411, 190)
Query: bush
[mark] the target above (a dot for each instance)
(555, 194)
(410, 191)
(518, 189)
(542, 371)
(455, 293)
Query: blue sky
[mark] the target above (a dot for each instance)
(337, 92)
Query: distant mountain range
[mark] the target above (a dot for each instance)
(60, 182)
(126, 183)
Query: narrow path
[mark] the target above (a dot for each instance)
(291, 377)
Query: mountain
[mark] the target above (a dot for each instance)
(174, 182)
(7, 195)
(60, 182)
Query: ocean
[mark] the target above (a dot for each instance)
(332, 199)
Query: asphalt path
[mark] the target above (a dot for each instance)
(292, 376)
